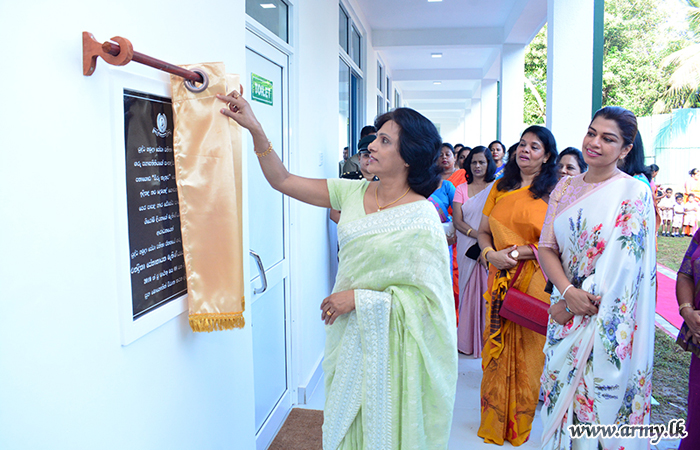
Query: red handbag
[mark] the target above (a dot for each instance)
(524, 309)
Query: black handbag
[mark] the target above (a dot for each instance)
(473, 252)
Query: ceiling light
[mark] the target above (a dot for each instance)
(437, 82)
(436, 55)
(270, 5)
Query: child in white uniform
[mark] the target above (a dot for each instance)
(665, 206)
(690, 221)
(678, 213)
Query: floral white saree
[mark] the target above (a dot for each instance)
(598, 369)
(391, 365)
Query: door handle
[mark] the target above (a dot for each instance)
(261, 271)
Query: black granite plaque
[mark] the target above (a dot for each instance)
(155, 242)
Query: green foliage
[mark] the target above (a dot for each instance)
(683, 86)
(536, 79)
(636, 39)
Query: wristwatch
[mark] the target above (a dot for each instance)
(514, 254)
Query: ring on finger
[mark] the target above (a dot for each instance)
(233, 107)
(329, 313)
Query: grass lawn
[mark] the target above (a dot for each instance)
(670, 379)
(671, 251)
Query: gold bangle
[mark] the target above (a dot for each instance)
(684, 305)
(485, 251)
(469, 232)
(266, 152)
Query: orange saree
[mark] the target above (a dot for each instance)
(512, 358)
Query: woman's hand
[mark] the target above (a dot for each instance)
(581, 302)
(692, 318)
(502, 259)
(239, 110)
(451, 240)
(559, 313)
(336, 305)
(481, 261)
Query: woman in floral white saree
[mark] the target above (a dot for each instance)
(390, 363)
(597, 247)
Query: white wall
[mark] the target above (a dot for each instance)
(316, 133)
(512, 82)
(65, 380)
(489, 111)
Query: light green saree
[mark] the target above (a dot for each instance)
(391, 365)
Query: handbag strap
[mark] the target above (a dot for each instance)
(520, 264)
(517, 272)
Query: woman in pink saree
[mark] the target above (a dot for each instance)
(467, 210)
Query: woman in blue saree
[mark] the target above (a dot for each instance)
(390, 362)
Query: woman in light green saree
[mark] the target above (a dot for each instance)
(390, 363)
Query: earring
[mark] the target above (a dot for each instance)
(406, 164)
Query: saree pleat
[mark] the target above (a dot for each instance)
(512, 357)
(472, 279)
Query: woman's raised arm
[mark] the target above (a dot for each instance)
(307, 190)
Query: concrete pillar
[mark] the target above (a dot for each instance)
(569, 69)
(472, 125)
(512, 92)
(489, 112)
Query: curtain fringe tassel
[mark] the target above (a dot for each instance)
(218, 321)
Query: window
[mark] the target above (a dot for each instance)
(350, 109)
(272, 14)
(356, 46)
(343, 30)
(387, 96)
(383, 90)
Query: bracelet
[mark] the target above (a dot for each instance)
(469, 232)
(567, 288)
(566, 306)
(684, 305)
(266, 152)
(485, 251)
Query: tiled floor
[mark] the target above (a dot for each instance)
(466, 413)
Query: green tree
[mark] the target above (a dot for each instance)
(683, 86)
(637, 37)
(535, 105)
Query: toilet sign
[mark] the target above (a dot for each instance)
(261, 89)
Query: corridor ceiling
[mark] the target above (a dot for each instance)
(469, 34)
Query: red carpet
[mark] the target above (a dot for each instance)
(666, 304)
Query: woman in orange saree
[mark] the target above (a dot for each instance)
(509, 232)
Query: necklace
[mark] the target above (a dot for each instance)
(376, 198)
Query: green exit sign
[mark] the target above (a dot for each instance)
(261, 89)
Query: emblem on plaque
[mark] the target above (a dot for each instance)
(162, 123)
